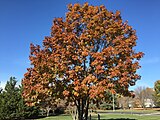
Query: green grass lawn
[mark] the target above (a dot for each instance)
(59, 117)
(126, 117)
(108, 117)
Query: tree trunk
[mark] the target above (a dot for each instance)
(79, 110)
(86, 112)
(82, 108)
(73, 113)
(48, 109)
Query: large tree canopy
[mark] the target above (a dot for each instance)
(89, 53)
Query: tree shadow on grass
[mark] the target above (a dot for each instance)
(114, 119)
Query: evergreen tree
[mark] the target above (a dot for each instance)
(9, 99)
(12, 105)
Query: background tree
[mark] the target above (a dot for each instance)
(89, 53)
(9, 100)
(12, 105)
(104, 103)
(143, 95)
(125, 102)
(157, 93)
(150, 99)
(140, 96)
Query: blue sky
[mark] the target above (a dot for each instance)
(28, 21)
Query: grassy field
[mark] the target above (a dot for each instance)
(139, 114)
(126, 117)
(108, 117)
(60, 117)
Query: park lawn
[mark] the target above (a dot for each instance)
(59, 117)
(108, 117)
(126, 117)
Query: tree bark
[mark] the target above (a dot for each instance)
(82, 108)
(79, 110)
(86, 111)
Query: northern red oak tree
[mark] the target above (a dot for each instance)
(89, 53)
